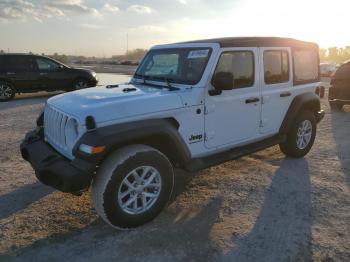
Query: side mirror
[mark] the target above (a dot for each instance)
(223, 81)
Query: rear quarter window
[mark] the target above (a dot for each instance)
(1, 63)
(306, 66)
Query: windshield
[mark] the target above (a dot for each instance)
(177, 65)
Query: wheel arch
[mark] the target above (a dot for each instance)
(161, 134)
(307, 101)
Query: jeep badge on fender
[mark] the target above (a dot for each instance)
(124, 141)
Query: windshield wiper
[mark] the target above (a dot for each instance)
(167, 80)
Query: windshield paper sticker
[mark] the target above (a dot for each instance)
(198, 54)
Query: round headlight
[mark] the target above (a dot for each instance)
(72, 131)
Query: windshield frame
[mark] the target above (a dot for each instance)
(167, 79)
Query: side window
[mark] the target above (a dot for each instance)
(18, 63)
(240, 64)
(276, 67)
(306, 66)
(46, 64)
(1, 63)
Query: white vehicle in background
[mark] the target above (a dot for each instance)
(327, 69)
(189, 105)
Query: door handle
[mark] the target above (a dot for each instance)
(285, 94)
(10, 73)
(43, 74)
(252, 100)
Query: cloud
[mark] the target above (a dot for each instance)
(150, 28)
(91, 26)
(110, 8)
(140, 9)
(16, 9)
(184, 2)
(42, 9)
(76, 6)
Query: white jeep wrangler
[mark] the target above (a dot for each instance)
(189, 105)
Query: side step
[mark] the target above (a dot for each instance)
(201, 163)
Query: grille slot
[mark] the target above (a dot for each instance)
(55, 124)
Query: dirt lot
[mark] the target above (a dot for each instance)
(264, 207)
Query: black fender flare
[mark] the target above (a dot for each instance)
(119, 135)
(304, 101)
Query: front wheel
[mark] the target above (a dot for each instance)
(7, 92)
(132, 186)
(80, 84)
(301, 136)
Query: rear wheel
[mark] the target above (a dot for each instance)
(132, 186)
(301, 136)
(7, 92)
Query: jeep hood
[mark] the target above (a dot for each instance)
(113, 103)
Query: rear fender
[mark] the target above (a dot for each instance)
(307, 101)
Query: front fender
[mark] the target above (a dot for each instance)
(118, 135)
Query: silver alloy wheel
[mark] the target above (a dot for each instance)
(80, 85)
(304, 134)
(139, 190)
(6, 91)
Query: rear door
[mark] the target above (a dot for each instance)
(21, 70)
(232, 117)
(276, 87)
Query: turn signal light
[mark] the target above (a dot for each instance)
(91, 150)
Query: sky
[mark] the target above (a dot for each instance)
(100, 28)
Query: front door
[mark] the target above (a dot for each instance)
(52, 76)
(276, 87)
(233, 116)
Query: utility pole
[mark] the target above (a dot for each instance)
(127, 43)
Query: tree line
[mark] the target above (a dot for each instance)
(332, 54)
(133, 55)
(335, 54)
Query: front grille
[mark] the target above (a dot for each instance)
(54, 125)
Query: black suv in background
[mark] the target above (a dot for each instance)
(24, 73)
(339, 92)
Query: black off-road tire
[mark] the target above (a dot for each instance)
(336, 106)
(290, 147)
(9, 88)
(109, 179)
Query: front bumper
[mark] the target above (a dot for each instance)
(92, 82)
(320, 115)
(53, 169)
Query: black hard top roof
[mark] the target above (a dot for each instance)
(258, 42)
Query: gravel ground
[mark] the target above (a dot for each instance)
(263, 207)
